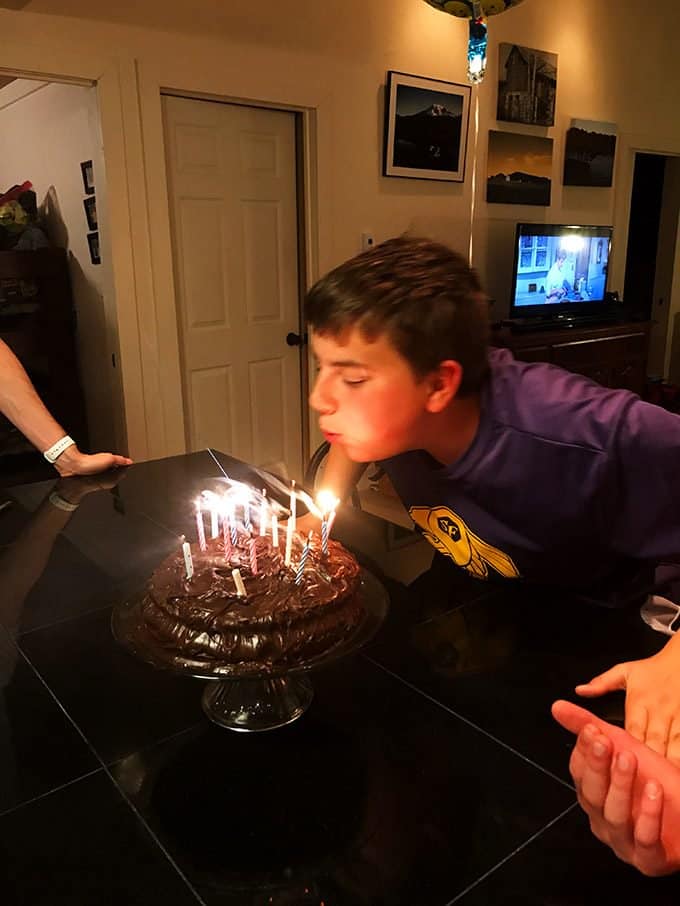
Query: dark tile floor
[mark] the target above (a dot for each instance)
(427, 770)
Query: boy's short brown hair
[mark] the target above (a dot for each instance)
(420, 293)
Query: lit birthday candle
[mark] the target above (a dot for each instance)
(246, 515)
(289, 541)
(225, 532)
(231, 519)
(263, 513)
(253, 556)
(293, 503)
(188, 561)
(199, 526)
(303, 560)
(238, 582)
(326, 503)
(275, 530)
(214, 519)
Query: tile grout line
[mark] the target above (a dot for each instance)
(108, 773)
(507, 858)
(470, 723)
(47, 793)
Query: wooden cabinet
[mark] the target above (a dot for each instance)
(37, 321)
(614, 355)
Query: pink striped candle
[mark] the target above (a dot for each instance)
(253, 556)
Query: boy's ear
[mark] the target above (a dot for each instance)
(444, 383)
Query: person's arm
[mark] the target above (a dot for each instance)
(641, 519)
(630, 793)
(20, 403)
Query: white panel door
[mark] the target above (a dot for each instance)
(233, 202)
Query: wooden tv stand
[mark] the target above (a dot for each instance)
(614, 355)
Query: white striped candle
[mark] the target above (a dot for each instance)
(225, 535)
(231, 518)
(199, 526)
(303, 560)
(263, 513)
(324, 536)
(275, 530)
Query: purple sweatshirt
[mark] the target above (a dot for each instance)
(566, 482)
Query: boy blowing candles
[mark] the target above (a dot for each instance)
(516, 472)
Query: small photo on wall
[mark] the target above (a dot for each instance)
(93, 243)
(589, 154)
(527, 85)
(519, 169)
(90, 205)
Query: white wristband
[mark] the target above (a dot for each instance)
(55, 451)
(62, 504)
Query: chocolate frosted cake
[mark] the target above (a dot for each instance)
(278, 623)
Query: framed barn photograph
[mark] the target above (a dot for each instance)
(426, 128)
(527, 85)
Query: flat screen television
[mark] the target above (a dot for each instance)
(560, 272)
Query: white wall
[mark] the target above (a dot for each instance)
(618, 64)
(46, 130)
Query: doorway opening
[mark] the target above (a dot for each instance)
(650, 258)
(57, 303)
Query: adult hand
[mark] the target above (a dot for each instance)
(630, 793)
(73, 462)
(652, 698)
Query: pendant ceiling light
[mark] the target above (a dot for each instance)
(476, 11)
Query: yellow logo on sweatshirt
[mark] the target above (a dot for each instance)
(450, 536)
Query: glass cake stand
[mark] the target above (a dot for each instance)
(244, 700)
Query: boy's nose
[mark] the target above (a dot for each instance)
(320, 400)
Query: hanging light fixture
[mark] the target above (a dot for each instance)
(476, 11)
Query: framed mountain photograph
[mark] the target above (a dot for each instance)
(426, 128)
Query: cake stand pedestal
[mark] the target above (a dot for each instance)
(250, 705)
(244, 700)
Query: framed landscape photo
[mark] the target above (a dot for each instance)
(426, 128)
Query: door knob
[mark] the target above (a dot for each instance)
(294, 339)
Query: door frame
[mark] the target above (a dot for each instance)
(313, 114)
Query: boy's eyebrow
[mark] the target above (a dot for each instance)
(348, 363)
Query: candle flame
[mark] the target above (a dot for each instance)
(326, 502)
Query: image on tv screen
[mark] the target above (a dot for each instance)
(555, 269)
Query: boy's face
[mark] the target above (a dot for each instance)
(368, 398)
